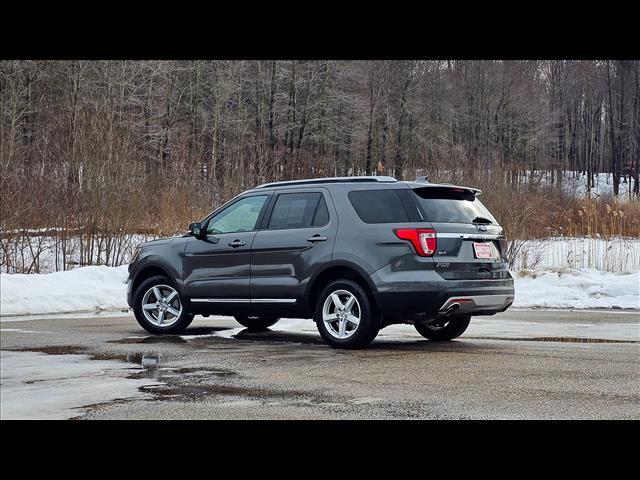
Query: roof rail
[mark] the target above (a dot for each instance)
(329, 180)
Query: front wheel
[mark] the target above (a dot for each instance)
(159, 308)
(256, 324)
(345, 316)
(442, 330)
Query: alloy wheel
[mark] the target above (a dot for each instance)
(341, 314)
(161, 305)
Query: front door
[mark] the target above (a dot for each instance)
(218, 267)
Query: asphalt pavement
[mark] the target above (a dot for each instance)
(522, 364)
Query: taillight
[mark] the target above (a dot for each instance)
(424, 240)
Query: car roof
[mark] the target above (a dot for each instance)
(329, 180)
(361, 181)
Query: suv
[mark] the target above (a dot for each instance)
(355, 254)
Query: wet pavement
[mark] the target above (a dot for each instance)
(520, 364)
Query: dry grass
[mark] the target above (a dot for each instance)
(605, 218)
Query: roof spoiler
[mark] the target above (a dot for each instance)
(475, 191)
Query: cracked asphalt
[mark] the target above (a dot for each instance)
(216, 370)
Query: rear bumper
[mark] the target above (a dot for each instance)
(476, 303)
(477, 300)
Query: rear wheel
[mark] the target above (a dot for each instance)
(256, 323)
(159, 308)
(345, 316)
(445, 329)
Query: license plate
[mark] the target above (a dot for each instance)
(483, 250)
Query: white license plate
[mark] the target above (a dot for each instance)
(483, 250)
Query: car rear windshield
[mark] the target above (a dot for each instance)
(452, 205)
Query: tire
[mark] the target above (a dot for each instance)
(256, 324)
(144, 294)
(455, 327)
(353, 335)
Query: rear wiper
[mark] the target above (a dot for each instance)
(481, 220)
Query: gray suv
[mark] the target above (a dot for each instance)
(355, 254)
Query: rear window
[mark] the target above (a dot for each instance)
(451, 205)
(378, 206)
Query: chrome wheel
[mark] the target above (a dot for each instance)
(161, 305)
(341, 314)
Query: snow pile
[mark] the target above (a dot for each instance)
(102, 288)
(81, 290)
(571, 288)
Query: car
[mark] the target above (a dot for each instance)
(355, 254)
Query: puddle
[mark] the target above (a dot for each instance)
(195, 331)
(153, 376)
(53, 350)
(59, 383)
(274, 336)
(189, 334)
(155, 339)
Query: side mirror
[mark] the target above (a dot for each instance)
(196, 229)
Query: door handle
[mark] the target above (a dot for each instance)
(316, 238)
(237, 243)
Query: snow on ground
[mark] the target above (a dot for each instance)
(574, 183)
(83, 289)
(39, 386)
(572, 288)
(91, 289)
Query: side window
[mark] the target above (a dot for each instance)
(239, 217)
(322, 214)
(378, 206)
(294, 210)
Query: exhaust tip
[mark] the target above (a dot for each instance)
(452, 309)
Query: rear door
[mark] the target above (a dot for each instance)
(470, 243)
(297, 237)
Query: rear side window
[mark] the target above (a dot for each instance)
(378, 206)
(452, 205)
(298, 210)
(322, 214)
